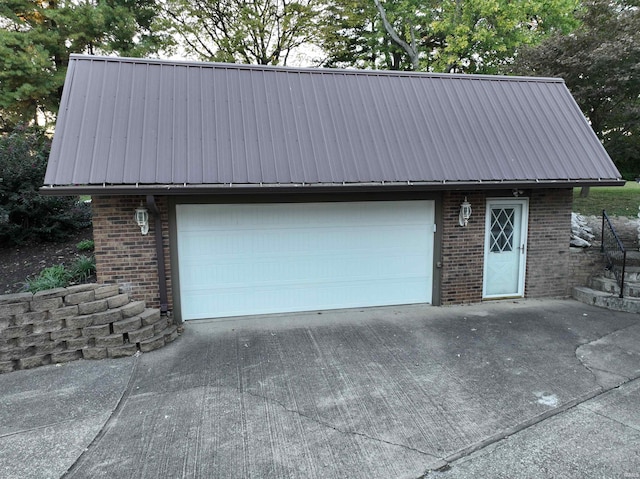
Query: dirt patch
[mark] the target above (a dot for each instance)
(20, 262)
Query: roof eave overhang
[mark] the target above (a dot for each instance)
(257, 189)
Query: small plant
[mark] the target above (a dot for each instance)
(49, 278)
(85, 245)
(83, 268)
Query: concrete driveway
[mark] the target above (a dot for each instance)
(504, 389)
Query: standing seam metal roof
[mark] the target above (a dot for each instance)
(132, 121)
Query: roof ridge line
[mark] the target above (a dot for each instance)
(314, 70)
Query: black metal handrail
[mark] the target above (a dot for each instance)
(614, 252)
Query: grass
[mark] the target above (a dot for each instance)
(617, 201)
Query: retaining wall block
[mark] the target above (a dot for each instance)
(64, 312)
(78, 343)
(96, 331)
(133, 309)
(78, 322)
(93, 307)
(15, 298)
(118, 300)
(81, 321)
(112, 340)
(65, 356)
(11, 309)
(141, 334)
(34, 361)
(50, 293)
(106, 291)
(106, 317)
(30, 318)
(50, 347)
(16, 331)
(122, 351)
(153, 343)
(33, 339)
(81, 297)
(150, 316)
(48, 326)
(65, 334)
(46, 304)
(126, 325)
(94, 353)
(79, 288)
(7, 366)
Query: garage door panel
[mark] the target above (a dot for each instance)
(254, 259)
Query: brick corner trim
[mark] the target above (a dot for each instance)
(86, 321)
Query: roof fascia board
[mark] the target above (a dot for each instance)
(178, 190)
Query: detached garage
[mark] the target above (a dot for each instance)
(228, 190)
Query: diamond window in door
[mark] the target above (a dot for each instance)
(501, 230)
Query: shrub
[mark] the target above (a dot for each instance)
(25, 213)
(85, 245)
(49, 278)
(83, 269)
(59, 276)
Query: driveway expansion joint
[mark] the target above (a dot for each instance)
(114, 414)
(330, 426)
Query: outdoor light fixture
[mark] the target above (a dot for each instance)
(142, 219)
(465, 212)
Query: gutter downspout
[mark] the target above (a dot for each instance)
(162, 278)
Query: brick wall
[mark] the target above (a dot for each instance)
(123, 255)
(548, 271)
(548, 246)
(462, 249)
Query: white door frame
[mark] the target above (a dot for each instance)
(518, 290)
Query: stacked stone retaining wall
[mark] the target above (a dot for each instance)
(89, 321)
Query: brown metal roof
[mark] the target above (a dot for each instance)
(185, 125)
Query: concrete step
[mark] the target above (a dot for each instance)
(609, 284)
(631, 274)
(606, 300)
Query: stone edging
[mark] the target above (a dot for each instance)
(87, 321)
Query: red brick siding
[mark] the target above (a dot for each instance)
(548, 245)
(462, 249)
(547, 273)
(126, 257)
(123, 255)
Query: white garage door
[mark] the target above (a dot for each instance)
(240, 259)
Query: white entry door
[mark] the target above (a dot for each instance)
(240, 259)
(505, 248)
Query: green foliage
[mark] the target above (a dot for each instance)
(24, 212)
(600, 63)
(474, 36)
(85, 245)
(83, 268)
(618, 201)
(49, 278)
(59, 276)
(238, 31)
(37, 38)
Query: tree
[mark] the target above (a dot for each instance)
(24, 213)
(476, 36)
(37, 37)
(265, 32)
(600, 63)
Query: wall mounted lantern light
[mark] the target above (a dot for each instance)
(142, 219)
(465, 212)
